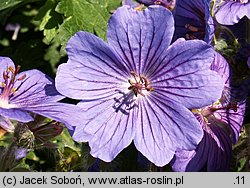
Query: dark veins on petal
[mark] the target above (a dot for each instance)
(190, 20)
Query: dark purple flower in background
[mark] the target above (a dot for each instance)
(20, 153)
(32, 92)
(193, 20)
(137, 87)
(221, 123)
(229, 12)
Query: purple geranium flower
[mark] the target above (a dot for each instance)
(229, 12)
(166, 3)
(221, 123)
(20, 153)
(6, 124)
(138, 88)
(131, 3)
(32, 92)
(193, 20)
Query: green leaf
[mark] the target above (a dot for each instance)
(89, 15)
(4, 4)
(50, 20)
(53, 56)
(241, 164)
(8, 6)
(65, 140)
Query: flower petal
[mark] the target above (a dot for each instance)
(163, 127)
(233, 118)
(130, 3)
(111, 122)
(70, 115)
(147, 2)
(93, 69)
(212, 154)
(140, 37)
(20, 153)
(6, 124)
(16, 114)
(182, 158)
(183, 75)
(221, 66)
(35, 88)
(193, 20)
(231, 12)
(5, 63)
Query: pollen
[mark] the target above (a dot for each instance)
(8, 89)
(13, 90)
(2, 84)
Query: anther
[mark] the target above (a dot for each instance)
(12, 69)
(191, 28)
(17, 69)
(5, 75)
(22, 77)
(139, 84)
(2, 84)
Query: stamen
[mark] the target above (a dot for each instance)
(9, 76)
(207, 111)
(233, 106)
(17, 69)
(22, 77)
(12, 69)
(157, 3)
(2, 84)
(169, 4)
(194, 32)
(190, 37)
(5, 75)
(139, 84)
(13, 90)
(191, 28)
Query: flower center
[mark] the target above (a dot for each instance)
(139, 84)
(8, 89)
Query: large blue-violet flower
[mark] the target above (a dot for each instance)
(166, 3)
(229, 12)
(221, 122)
(32, 92)
(137, 87)
(193, 20)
